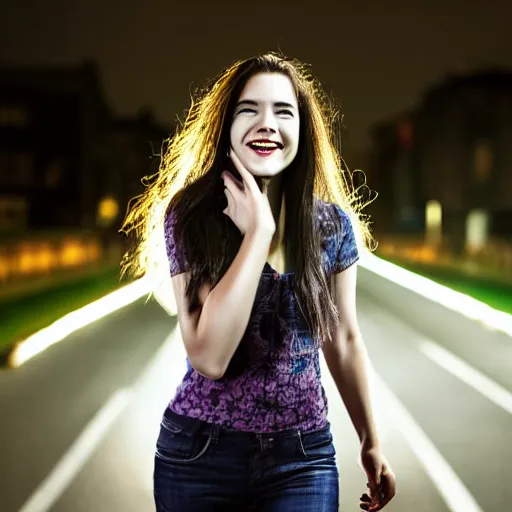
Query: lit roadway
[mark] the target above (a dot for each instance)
(79, 421)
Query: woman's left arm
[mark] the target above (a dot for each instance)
(348, 363)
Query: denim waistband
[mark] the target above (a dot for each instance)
(197, 425)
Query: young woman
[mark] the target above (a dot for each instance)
(255, 212)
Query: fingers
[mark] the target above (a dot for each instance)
(248, 178)
(229, 208)
(232, 188)
(231, 182)
(387, 488)
(369, 502)
(366, 501)
(374, 489)
(380, 495)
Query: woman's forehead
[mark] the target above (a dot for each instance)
(269, 88)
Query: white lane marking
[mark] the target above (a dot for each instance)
(456, 301)
(466, 373)
(459, 368)
(77, 455)
(452, 490)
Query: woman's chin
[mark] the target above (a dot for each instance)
(265, 173)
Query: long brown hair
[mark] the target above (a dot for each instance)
(189, 181)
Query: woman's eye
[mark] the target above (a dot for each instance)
(285, 113)
(247, 110)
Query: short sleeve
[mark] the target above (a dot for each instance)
(346, 247)
(173, 246)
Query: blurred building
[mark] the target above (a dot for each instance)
(136, 143)
(61, 162)
(454, 149)
(394, 174)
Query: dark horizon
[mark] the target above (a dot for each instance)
(374, 61)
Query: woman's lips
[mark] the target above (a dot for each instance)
(264, 152)
(264, 147)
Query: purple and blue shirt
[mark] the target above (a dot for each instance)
(280, 386)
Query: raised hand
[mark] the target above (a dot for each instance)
(248, 206)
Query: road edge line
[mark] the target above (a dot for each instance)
(54, 485)
(451, 488)
(455, 301)
(71, 322)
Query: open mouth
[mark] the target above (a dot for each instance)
(264, 147)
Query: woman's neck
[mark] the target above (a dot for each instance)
(274, 194)
(275, 199)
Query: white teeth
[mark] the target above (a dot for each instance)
(264, 145)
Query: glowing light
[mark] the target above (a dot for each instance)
(433, 222)
(72, 253)
(477, 228)
(41, 257)
(27, 261)
(45, 258)
(455, 301)
(108, 210)
(71, 322)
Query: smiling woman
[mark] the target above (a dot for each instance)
(266, 124)
(254, 214)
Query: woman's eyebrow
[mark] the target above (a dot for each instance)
(247, 102)
(279, 104)
(283, 104)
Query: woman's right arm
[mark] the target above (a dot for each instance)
(212, 333)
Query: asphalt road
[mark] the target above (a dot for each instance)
(79, 421)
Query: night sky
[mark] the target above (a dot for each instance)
(375, 58)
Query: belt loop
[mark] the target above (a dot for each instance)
(301, 443)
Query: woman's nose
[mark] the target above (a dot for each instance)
(268, 121)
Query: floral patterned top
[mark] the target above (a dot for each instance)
(279, 387)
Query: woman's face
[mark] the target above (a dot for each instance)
(265, 128)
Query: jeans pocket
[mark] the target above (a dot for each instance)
(318, 444)
(177, 443)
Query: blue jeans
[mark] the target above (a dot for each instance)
(206, 468)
